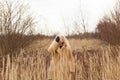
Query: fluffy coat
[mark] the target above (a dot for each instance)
(62, 64)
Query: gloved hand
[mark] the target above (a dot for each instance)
(59, 41)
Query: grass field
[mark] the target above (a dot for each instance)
(94, 61)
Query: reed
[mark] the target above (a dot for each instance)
(99, 64)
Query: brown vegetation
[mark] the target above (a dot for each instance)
(109, 27)
(101, 64)
(15, 23)
(23, 56)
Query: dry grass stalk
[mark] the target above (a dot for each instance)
(101, 64)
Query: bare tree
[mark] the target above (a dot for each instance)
(82, 23)
(13, 19)
(83, 16)
(115, 14)
(15, 22)
(109, 27)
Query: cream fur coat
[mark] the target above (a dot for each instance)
(62, 63)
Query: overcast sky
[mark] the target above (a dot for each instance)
(59, 16)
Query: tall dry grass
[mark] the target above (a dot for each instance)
(26, 66)
(100, 64)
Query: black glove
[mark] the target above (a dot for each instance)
(57, 39)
